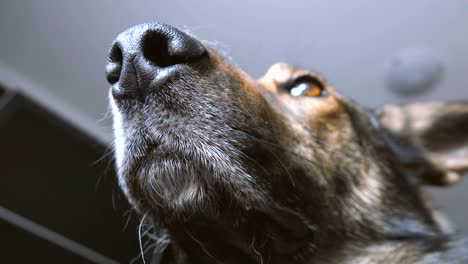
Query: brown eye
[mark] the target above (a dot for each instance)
(307, 86)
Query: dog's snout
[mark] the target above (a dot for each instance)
(142, 53)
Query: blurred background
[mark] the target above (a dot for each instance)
(53, 100)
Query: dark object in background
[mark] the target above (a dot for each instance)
(54, 176)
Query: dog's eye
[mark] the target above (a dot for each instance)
(307, 86)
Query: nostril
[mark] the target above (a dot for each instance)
(155, 49)
(114, 64)
(164, 46)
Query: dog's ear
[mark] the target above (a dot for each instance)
(430, 139)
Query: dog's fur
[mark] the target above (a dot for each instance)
(240, 171)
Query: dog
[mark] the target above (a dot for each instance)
(279, 170)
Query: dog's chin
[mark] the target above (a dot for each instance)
(174, 180)
(155, 176)
(169, 184)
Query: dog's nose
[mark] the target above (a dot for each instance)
(145, 52)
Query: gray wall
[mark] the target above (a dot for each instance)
(56, 50)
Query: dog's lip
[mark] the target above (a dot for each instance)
(158, 80)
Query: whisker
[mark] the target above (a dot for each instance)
(107, 153)
(288, 151)
(129, 213)
(271, 143)
(247, 114)
(256, 162)
(282, 165)
(139, 239)
(274, 145)
(107, 168)
(255, 250)
(202, 246)
(105, 116)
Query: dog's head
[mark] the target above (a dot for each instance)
(283, 168)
